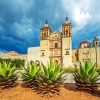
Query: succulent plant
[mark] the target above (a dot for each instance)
(43, 79)
(8, 76)
(86, 76)
(29, 74)
(50, 78)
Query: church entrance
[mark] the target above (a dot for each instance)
(56, 61)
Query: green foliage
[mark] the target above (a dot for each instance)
(49, 79)
(53, 72)
(98, 70)
(87, 73)
(69, 70)
(7, 71)
(8, 76)
(15, 62)
(30, 72)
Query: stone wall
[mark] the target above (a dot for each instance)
(92, 54)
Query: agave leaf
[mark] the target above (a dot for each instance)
(88, 66)
(43, 76)
(91, 69)
(45, 71)
(56, 72)
(30, 71)
(94, 72)
(95, 80)
(86, 73)
(34, 69)
(82, 70)
(2, 72)
(50, 66)
(0, 64)
(6, 70)
(51, 74)
(11, 72)
(59, 75)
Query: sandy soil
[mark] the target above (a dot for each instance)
(67, 93)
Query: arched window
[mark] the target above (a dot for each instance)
(56, 61)
(66, 33)
(42, 53)
(96, 43)
(44, 35)
(56, 45)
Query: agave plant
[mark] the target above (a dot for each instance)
(99, 71)
(86, 76)
(29, 75)
(8, 76)
(50, 78)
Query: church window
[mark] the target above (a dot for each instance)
(44, 35)
(75, 54)
(66, 34)
(56, 45)
(66, 31)
(67, 53)
(42, 53)
(96, 43)
(56, 36)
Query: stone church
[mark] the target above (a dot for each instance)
(55, 46)
(86, 51)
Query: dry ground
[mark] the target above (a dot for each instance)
(67, 93)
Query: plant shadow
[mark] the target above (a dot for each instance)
(72, 87)
(43, 91)
(47, 92)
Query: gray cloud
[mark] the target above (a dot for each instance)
(20, 21)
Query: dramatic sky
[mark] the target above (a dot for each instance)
(20, 21)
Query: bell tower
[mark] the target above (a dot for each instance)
(67, 43)
(45, 32)
(96, 42)
(66, 29)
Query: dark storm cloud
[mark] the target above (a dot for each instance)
(20, 21)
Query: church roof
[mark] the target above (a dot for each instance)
(83, 42)
(46, 25)
(55, 32)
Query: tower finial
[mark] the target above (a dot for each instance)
(66, 18)
(46, 22)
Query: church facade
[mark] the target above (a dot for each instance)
(86, 51)
(55, 46)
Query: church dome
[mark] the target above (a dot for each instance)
(46, 25)
(67, 21)
(84, 44)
